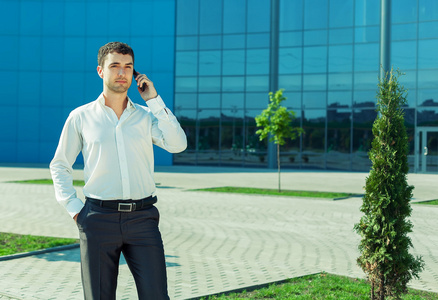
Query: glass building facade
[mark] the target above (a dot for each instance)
(214, 63)
(327, 60)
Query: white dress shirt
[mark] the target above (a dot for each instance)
(118, 154)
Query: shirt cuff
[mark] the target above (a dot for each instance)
(74, 206)
(156, 104)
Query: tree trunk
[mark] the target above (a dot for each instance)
(373, 297)
(278, 164)
(382, 288)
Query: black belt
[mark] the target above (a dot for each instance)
(125, 205)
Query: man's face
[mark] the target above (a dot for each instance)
(117, 72)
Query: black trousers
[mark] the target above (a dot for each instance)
(104, 234)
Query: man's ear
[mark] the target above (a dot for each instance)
(100, 71)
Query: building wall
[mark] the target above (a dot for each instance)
(328, 65)
(49, 59)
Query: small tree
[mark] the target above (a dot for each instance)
(386, 206)
(276, 123)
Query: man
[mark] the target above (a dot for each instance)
(115, 137)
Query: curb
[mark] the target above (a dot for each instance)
(37, 252)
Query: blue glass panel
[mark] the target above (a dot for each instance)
(209, 63)
(404, 55)
(234, 16)
(339, 99)
(143, 53)
(138, 21)
(9, 88)
(208, 121)
(428, 97)
(183, 101)
(365, 98)
(291, 15)
(162, 53)
(260, 40)
(9, 23)
(428, 30)
(290, 60)
(28, 152)
(209, 84)
(47, 151)
(186, 84)
(28, 123)
(404, 11)
(73, 100)
(315, 14)
(340, 58)
(52, 58)
(291, 39)
(366, 80)
(409, 80)
(427, 55)
(367, 34)
(341, 13)
(315, 37)
(257, 62)
(341, 36)
(257, 84)
(187, 17)
(314, 99)
(314, 139)
(30, 53)
(210, 17)
(428, 10)
(186, 64)
(210, 42)
(366, 57)
(52, 96)
(258, 16)
(53, 18)
(187, 43)
(30, 17)
(293, 101)
(50, 128)
(340, 81)
(427, 79)
(367, 12)
(93, 85)
(234, 41)
(290, 82)
(209, 100)
(233, 62)
(29, 88)
(8, 119)
(315, 82)
(163, 13)
(11, 63)
(233, 84)
(98, 26)
(74, 53)
(92, 47)
(74, 22)
(315, 59)
(233, 100)
(401, 32)
(256, 100)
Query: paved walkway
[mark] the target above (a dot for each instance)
(214, 242)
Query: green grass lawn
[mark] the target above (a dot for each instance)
(430, 202)
(243, 190)
(47, 181)
(319, 286)
(11, 243)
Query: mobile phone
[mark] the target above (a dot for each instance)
(143, 87)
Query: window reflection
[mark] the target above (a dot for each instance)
(341, 58)
(286, 21)
(428, 97)
(186, 64)
(315, 14)
(313, 140)
(340, 13)
(366, 57)
(404, 32)
(233, 84)
(255, 150)
(187, 119)
(186, 84)
(187, 17)
(363, 120)
(367, 12)
(209, 63)
(315, 59)
(339, 99)
(257, 84)
(427, 116)
(256, 100)
(233, 62)
(339, 139)
(427, 58)
(233, 12)
(232, 137)
(233, 101)
(314, 99)
(209, 84)
(258, 16)
(210, 17)
(186, 100)
(405, 11)
(364, 98)
(208, 137)
(257, 61)
(290, 60)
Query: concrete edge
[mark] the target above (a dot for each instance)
(253, 287)
(37, 252)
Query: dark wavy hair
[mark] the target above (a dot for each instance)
(111, 47)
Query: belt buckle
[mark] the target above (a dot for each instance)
(126, 207)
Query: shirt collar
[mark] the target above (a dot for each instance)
(130, 105)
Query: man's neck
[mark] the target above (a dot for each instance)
(116, 101)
